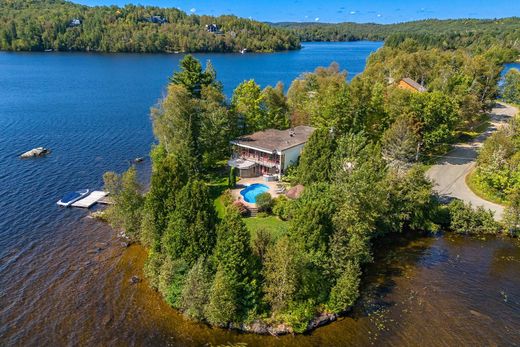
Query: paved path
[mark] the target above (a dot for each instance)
(449, 174)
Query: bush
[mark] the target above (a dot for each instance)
(232, 180)
(281, 207)
(241, 208)
(464, 219)
(264, 202)
(227, 198)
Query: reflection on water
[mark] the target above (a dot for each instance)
(430, 291)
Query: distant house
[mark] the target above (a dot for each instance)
(268, 152)
(411, 85)
(75, 22)
(156, 20)
(212, 28)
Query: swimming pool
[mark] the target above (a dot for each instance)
(251, 192)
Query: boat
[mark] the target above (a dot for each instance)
(70, 198)
(138, 160)
(243, 51)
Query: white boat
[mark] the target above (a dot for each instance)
(69, 198)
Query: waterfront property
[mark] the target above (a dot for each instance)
(411, 85)
(269, 152)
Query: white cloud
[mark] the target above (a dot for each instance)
(317, 19)
(193, 10)
(352, 12)
(379, 14)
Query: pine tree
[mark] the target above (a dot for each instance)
(316, 158)
(191, 227)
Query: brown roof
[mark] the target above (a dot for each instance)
(414, 84)
(272, 140)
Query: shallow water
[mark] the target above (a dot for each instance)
(64, 278)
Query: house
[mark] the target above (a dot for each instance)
(268, 152)
(75, 22)
(411, 85)
(156, 20)
(212, 28)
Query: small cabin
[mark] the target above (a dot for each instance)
(75, 22)
(212, 28)
(411, 85)
(156, 20)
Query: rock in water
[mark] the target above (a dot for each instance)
(135, 279)
(35, 152)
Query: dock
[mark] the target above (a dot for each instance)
(91, 199)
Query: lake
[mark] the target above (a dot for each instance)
(64, 278)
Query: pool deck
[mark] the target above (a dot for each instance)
(273, 185)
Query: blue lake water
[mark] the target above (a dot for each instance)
(92, 111)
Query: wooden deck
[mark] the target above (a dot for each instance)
(90, 199)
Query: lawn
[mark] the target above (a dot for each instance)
(274, 225)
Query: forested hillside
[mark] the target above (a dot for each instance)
(37, 25)
(447, 34)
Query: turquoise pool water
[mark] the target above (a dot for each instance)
(251, 192)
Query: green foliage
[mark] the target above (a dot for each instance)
(234, 292)
(125, 191)
(346, 291)
(474, 34)
(498, 163)
(196, 290)
(232, 177)
(257, 109)
(191, 232)
(321, 99)
(40, 25)
(400, 144)
(315, 161)
(264, 202)
(512, 213)
(511, 87)
(282, 207)
(281, 272)
(171, 278)
(223, 306)
(464, 219)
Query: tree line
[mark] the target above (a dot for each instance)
(37, 25)
(430, 33)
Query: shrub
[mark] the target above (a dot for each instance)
(232, 180)
(227, 198)
(281, 207)
(241, 208)
(464, 219)
(264, 202)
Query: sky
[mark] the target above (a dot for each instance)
(333, 11)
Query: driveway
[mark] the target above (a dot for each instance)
(449, 174)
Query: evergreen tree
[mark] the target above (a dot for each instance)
(315, 161)
(191, 227)
(195, 294)
(235, 280)
(192, 77)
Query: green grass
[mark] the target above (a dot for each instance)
(481, 190)
(274, 225)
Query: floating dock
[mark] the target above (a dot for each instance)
(91, 199)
